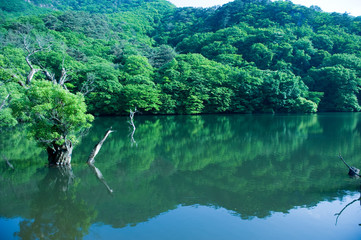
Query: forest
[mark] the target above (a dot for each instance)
(68, 64)
(247, 56)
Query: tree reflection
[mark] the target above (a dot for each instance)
(252, 165)
(346, 206)
(100, 176)
(56, 213)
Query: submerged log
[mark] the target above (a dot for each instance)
(353, 172)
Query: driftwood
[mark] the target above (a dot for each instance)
(353, 172)
(98, 147)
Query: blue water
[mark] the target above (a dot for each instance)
(205, 222)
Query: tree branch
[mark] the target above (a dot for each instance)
(88, 85)
(352, 170)
(98, 147)
(131, 122)
(4, 101)
(8, 163)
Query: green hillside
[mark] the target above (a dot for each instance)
(246, 56)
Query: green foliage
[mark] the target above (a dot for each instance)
(340, 86)
(260, 55)
(105, 97)
(54, 113)
(143, 97)
(196, 84)
(9, 91)
(137, 65)
(246, 56)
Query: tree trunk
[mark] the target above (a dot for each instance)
(60, 154)
(31, 75)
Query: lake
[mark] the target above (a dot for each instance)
(190, 177)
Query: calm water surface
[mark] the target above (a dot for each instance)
(190, 177)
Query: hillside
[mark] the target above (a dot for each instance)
(246, 56)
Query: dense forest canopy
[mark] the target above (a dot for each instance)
(246, 56)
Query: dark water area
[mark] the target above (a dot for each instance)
(190, 177)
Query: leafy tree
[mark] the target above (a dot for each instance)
(56, 118)
(105, 97)
(9, 91)
(161, 56)
(260, 55)
(144, 97)
(340, 86)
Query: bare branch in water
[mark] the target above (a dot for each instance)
(8, 163)
(352, 170)
(131, 122)
(98, 147)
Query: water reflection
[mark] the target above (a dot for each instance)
(55, 212)
(251, 165)
(100, 176)
(346, 206)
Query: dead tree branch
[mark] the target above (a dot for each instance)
(131, 122)
(4, 101)
(98, 147)
(8, 162)
(33, 48)
(41, 44)
(88, 86)
(51, 76)
(91, 160)
(352, 170)
(16, 76)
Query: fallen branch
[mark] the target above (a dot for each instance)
(352, 170)
(98, 147)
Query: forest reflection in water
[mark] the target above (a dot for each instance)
(252, 166)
